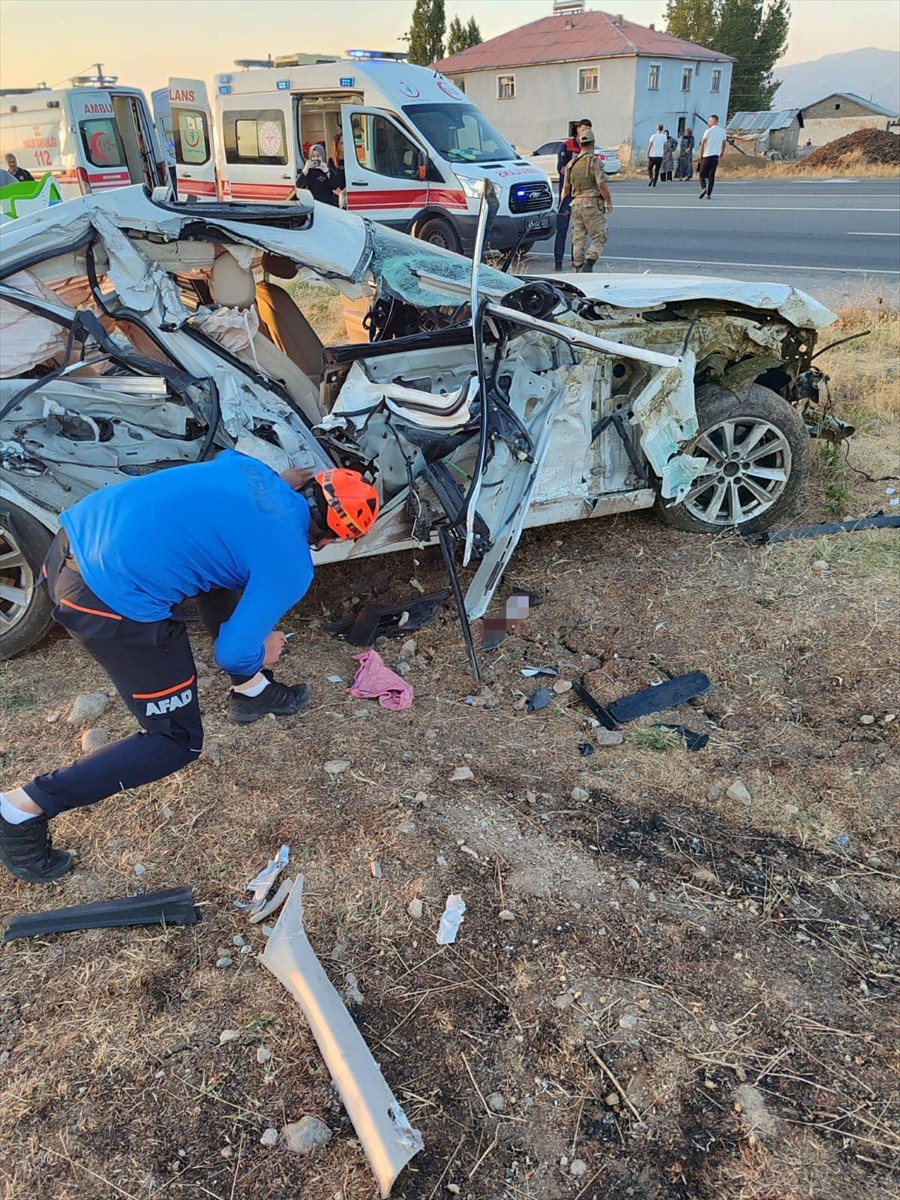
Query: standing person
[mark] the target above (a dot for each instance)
(567, 152)
(656, 148)
(591, 201)
(316, 176)
(234, 534)
(712, 146)
(685, 168)
(336, 167)
(668, 162)
(16, 171)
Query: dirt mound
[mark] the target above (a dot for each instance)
(866, 146)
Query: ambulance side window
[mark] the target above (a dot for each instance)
(190, 133)
(102, 144)
(383, 148)
(255, 136)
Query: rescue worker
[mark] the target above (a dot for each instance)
(591, 201)
(567, 152)
(232, 533)
(17, 172)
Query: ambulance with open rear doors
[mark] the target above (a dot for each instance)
(416, 150)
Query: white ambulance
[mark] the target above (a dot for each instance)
(416, 150)
(88, 138)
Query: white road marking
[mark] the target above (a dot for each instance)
(695, 262)
(867, 233)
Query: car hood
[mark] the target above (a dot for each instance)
(655, 291)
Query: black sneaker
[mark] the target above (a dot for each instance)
(278, 698)
(26, 850)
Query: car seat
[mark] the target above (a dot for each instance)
(233, 286)
(284, 323)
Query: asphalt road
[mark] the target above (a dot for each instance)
(832, 238)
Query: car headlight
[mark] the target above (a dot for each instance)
(473, 188)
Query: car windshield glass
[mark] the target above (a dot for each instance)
(459, 133)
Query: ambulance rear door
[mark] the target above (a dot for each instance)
(386, 167)
(259, 145)
(115, 139)
(191, 146)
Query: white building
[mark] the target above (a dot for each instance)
(842, 113)
(533, 81)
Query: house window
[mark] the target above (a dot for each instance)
(653, 79)
(506, 87)
(686, 76)
(682, 125)
(589, 79)
(716, 84)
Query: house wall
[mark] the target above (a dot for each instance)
(837, 108)
(669, 102)
(547, 98)
(819, 132)
(784, 141)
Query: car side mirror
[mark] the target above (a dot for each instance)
(424, 164)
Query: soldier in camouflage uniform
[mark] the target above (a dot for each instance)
(591, 201)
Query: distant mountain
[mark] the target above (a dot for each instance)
(872, 74)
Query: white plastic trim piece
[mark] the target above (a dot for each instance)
(381, 1124)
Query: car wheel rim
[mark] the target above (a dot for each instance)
(16, 581)
(748, 468)
(439, 239)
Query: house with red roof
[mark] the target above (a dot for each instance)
(535, 81)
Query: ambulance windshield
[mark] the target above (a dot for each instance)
(459, 133)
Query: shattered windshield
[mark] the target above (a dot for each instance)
(459, 133)
(427, 276)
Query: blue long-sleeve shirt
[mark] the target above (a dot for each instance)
(144, 545)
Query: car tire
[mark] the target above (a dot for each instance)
(438, 232)
(25, 609)
(759, 452)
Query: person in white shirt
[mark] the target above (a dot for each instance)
(712, 144)
(656, 148)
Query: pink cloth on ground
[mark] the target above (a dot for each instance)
(375, 681)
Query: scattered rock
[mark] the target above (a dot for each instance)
(93, 739)
(628, 1020)
(566, 1000)
(306, 1135)
(460, 774)
(226, 1152)
(224, 961)
(632, 883)
(867, 719)
(238, 940)
(52, 717)
(791, 809)
(228, 1035)
(579, 793)
(738, 792)
(608, 737)
(578, 1167)
(139, 868)
(496, 1102)
(351, 989)
(263, 1055)
(562, 685)
(87, 707)
(613, 1099)
(336, 766)
(506, 914)
(713, 792)
(415, 908)
(453, 1189)
(820, 565)
(269, 1137)
(211, 753)
(167, 813)
(408, 649)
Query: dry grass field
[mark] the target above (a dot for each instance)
(678, 990)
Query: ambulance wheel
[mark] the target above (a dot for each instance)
(438, 232)
(25, 608)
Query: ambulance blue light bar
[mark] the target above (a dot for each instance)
(388, 55)
(283, 85)
(224, 89)
(346, 81)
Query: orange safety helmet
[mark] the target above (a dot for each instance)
(350, 506)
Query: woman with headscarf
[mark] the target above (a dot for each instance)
(685, 168)
(336, 167)
(316, 177)
(668, 162)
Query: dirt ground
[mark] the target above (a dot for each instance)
(664, 987)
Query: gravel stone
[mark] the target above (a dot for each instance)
(269, 1137)
(93, 739)
(460, 774)
(713, 792)
(608, 737)
(867, 719)
(87, 707)
(578, 1167)
(224, 961)
(306, 1135)
(263, 1054)
(496, 1102)
(739, 792)
(415, 908)
(579, 793)
(336, 766)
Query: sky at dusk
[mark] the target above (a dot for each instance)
(145, 41)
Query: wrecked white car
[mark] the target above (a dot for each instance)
(139, 333)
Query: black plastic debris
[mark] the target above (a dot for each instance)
(175, 906)
(539, 699)
(693, 741)
(585, 749)
(375, 621)
(875, 521)
(649, 700)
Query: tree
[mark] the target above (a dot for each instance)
(461, 37)
(426, 32)
(754, 32)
